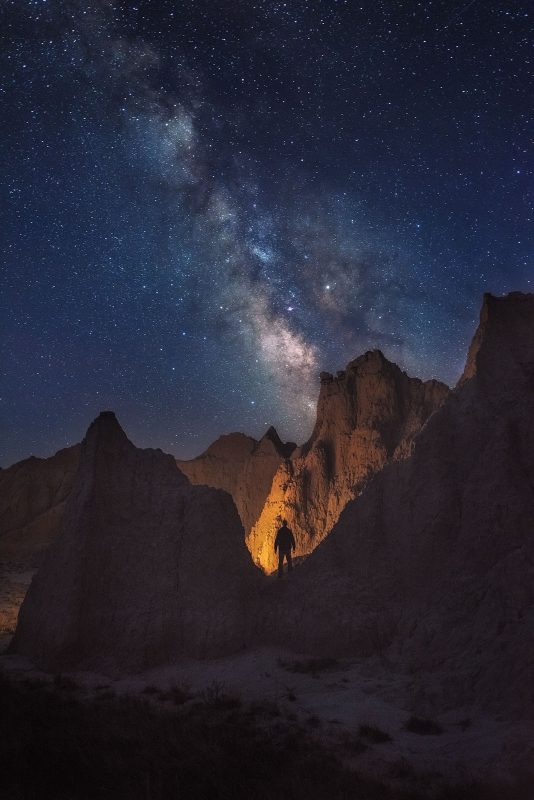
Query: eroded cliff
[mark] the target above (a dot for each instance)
(366, 415)
(432, 567)
(33, 494)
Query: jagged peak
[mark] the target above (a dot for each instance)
(105, 430)
(374, 361)
(370, 357)
(374, 358)
(271, 435)
(505, 322)
(283, 448)
(106, 422)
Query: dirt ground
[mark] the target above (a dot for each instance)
(358, 706)
(348, 706)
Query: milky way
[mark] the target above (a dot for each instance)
(205, 204)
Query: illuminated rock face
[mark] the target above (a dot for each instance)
(33, 494)
(145, 568)
(242, 466)
(432, 567)
(368, 414)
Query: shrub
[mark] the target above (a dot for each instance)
(374, 734)
(175, 694)
(216, 696)
(424, 727)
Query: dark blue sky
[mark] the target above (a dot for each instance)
(205, 204)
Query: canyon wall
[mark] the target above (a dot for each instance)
(432, 567)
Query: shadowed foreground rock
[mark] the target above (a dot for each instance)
(146, 567)
(432, 567)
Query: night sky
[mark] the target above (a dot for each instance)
(205, 204)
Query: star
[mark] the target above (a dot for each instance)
(203, 208)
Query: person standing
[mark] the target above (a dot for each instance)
(284, 545)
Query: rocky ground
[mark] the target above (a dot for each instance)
(358, 711)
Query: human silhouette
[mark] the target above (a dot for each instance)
(284, 544)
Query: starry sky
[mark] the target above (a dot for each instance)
(206, 203)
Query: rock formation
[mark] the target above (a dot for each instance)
(33, 494)
(368, 414)
(432, 567)
(146, 567)
(242, 466)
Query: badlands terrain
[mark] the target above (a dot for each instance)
(411, 612)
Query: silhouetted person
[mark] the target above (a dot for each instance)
(284, 544)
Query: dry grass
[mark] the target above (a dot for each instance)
(57, 745)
